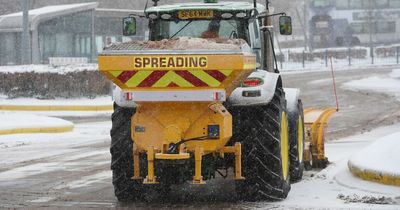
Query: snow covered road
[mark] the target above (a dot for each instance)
(72, 170)
(44, 170)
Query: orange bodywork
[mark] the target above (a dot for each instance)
(213, 71)
(157, 125)
(167, 123)
(161, 123)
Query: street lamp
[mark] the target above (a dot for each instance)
(25, 37)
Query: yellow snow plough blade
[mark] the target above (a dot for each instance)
(315, 122)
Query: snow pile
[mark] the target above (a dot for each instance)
(20, 148)
(388, 85)
(366, 199)
(183, 43)
(10, 121)
(381, 156)
(395, 74)
(41, 68)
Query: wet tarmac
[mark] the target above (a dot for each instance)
(79, 176)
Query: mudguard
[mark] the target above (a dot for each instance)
(292, 97)
(119, 99)
(266, 90)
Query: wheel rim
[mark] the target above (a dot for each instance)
(300, 139)
(284, 146)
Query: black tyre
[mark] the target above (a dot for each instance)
(263, 131)
(308, 164)
(296, 139)
(121, 155)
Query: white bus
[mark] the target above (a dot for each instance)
(335, 23)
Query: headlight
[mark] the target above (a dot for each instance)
(241, 15)
(166, 16)
(226, 15)
(153, 16)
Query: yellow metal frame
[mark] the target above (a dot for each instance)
(150, 178)
(237, 150)
(136, 162)
(198, 156)
(315, 121)
(173, 125)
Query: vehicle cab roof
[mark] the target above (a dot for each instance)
(222, 6)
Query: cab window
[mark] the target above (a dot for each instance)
(165, 29)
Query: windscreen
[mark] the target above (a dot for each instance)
(234, 29)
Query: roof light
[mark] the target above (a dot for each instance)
(252, 82)
(210, 1)
(241, 15)
(166, 16)
(226, 15)
(153, 16)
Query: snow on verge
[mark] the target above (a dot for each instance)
(381, 156)
(98, 101)
(387, 85)
(41, 68)
(11, 121)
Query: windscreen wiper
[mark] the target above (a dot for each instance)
(181, 29)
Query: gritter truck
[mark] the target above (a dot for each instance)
(189, 108)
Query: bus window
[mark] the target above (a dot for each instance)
(386, 27)
(355, 4)
(380, 4)
(394, 3)
(321, 3)
(342, 4)
(357, 28)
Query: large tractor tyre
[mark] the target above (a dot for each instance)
(296, 139)
(125, 188)
(263, 131)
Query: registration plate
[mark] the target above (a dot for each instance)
(195, 14)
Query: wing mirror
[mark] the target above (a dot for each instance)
(285, 25)
(129, 26)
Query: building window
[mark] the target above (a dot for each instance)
(99, 44)
(108, 26)
(10, 53)
(381, 27)
(66, 36)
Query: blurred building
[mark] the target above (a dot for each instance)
(338, 23)
(62, 31)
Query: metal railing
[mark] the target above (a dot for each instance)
(292, 59)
